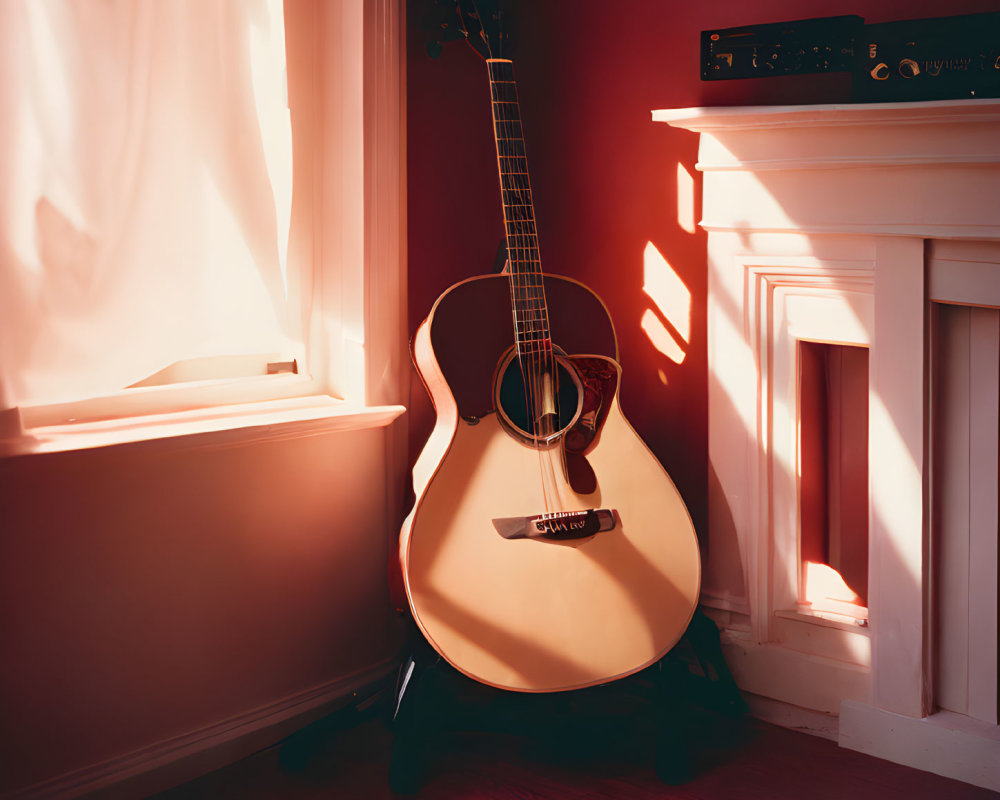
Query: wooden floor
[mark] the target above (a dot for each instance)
(584, 757)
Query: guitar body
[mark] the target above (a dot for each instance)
(544, 612)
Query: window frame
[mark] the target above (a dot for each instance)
(349, 100)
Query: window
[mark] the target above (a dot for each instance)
(185, 227)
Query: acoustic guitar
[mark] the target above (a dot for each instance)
(547, 548)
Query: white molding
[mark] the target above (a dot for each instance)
(172, 761)
(891, 169)
(359, 320)
(795, 718)
(832, 115)
(387, 362)
(841, 162)
(214, 426)
(812, 682)
(970, 232)
(899, 582)
(767, 281)
(944, 743)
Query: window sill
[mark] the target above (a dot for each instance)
(854, 618)
(218, 426)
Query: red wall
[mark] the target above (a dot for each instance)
(603, 175)
(164, 598)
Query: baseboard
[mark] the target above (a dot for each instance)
(173, 761)
(796, 718)
(944, 743)
(803, 680)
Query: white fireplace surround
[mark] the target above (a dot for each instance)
(873, 225)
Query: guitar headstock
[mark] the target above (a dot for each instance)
(478, 22)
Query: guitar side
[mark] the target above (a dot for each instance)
(527, 614)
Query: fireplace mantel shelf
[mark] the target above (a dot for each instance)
(713, 118)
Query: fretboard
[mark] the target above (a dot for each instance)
(531, 322)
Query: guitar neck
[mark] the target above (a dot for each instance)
(527, 292)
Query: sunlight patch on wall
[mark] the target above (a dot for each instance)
(821, 582)
(672, 299)
(661, 338)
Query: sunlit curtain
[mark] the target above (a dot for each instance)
(145, 190)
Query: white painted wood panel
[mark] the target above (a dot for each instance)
(951, 506)
(896, 478)
(984, 415)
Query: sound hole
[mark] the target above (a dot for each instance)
(512, 398)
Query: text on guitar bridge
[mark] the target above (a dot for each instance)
(558, 525)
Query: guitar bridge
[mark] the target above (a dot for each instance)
(560, 525)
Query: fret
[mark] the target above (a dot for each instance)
(531, 322)
(537, 338)
(505, 90)
(541, 346)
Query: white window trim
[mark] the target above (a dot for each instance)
(357, 345)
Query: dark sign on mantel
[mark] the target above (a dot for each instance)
(780, 48)
(928, 59)
(923, 59)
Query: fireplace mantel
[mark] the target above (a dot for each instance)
(854, 226)
(909, 169)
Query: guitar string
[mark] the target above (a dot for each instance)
(519, 288)
(530, 348)
(533, 337)
(526, 232)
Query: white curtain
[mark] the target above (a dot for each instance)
(145, 190)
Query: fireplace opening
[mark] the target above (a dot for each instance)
(833, 477)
